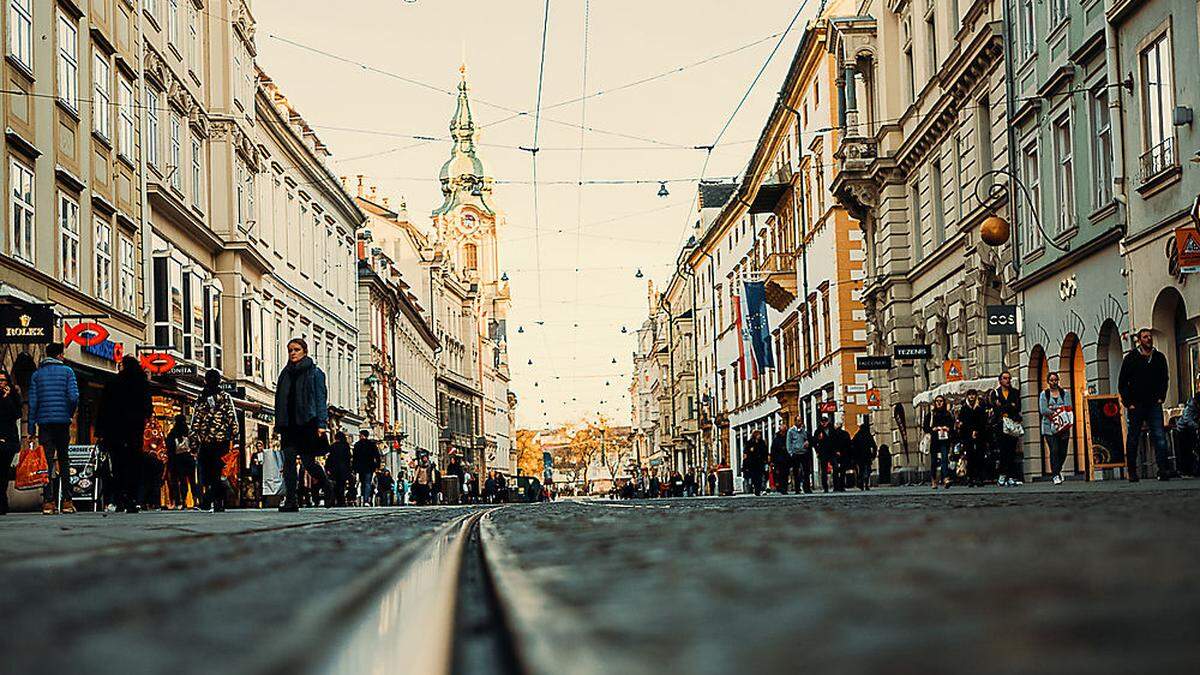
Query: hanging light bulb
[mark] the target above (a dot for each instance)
(521, 329)
(662, 190)
(606, 384)
(531, 362)
(624, 329)
(504, 277)
(639, 274)
(614, 359)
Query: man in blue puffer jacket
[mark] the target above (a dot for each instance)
(53, 397)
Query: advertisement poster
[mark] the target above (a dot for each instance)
(84, 460)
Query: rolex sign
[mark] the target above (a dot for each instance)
(26, 324)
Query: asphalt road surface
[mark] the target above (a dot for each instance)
(1080, 578)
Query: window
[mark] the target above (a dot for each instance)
(826, 320)
(152, 127)
(125, 133)
(471, 256)
(1058, 12)
(175, 169)
(197, 171)
(1102, 147)
(102, 94)
(103, 273)
(193, 39)
(1064, 175)
(68, 61)
(910, 68)
(1031, 236)
(212, 324)
(937, 205)
(959, 179)
(20, 179)
(168, 302)
(128, 278)
(68, 239)
(20, 31)
(249, 335)
(1028, 28)
(173, 22)
(983, 136)
(914, 213)
(931, 37)
(1158, 103)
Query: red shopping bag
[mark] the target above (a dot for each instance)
(229, 468)
(32, 470)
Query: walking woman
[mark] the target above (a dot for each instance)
(181, 464)
(301, 417)
(1054, 405)
(1004, 402)
(10, 434)
(214, 426)
(121, 425)
(972, 432)
(939, 424)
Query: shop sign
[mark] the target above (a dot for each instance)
(856, 389)
(827, 407)
(85, 334)
(183, 370)
(26, 324)
(1105, 431)
(158, 363)
(232, 389)
(873, 362)
(267, 416)
(83, 460)
(953, 370)
(107, 350)
(1002, 320)
(912, 352)
(874, 400)
(1187, 249)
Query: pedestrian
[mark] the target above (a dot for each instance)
(10, 433)
(1054, 408)
(338, 465)
(301, 417)
(1188, 427)
(939, 424)
(711, 481)
(821, 442)
(653, 486)
(865, 450)
(800, 455)
(387, 488)
(841, 447)
(885, 465)
(181, 464)
(780, 460)
(1004, 404)
(121, 427)
(689, 483)
(366, 460)
(456, 469)
(676, 484)
(214, 427)
(256, 475)
(422, 484)
(754, 464)
(972, 428)
(1142, 385)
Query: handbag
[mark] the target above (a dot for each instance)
(1062, 419)
(32, 470)
(1011, 427)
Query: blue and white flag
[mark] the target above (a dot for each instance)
(756, 333)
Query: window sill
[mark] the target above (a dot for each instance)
(67, 108)
(126, 161)
(21, 67)
(1160, 181)
(1103, 212)
(102, 139)
(195, 78)
(1062, 238)
(1032, 256)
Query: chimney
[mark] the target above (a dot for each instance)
(373, 192)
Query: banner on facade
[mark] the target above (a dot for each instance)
(756, 332)
(736, 305)
(1002, 320)
(873, 362)
(26, 324)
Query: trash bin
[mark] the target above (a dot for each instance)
(725, 482)
(451, 490)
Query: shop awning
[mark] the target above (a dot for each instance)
(952, 389)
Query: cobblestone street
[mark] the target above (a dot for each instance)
(1082, 578)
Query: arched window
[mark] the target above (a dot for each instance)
(470, 256)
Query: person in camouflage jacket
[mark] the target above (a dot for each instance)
(214, 425)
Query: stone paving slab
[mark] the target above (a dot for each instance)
(182, 592)
(1079, 578)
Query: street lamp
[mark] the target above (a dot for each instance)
(995, 230)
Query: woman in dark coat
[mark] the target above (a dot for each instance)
(121, 426)
(10, 434)
(972, 429)
(302, 418)
(939, 424)
(181, 464)
(864, 454)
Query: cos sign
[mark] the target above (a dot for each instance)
(1002, 320)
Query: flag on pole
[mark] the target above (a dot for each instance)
(755, 331)
(736, 303)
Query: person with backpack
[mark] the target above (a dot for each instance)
(214, 427)
(1054, 408)
(302, 419)
(10, 433)
(181, 464)
(53, 399)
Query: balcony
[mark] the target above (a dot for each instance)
(1158, 163)
(780, 269)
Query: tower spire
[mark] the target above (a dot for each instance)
(463, 173)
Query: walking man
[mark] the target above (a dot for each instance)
(1143, 388)
(780, 460)
(53, 398)
(302, 418)
(366, 461)
(825, 453)
(801, 455)
(754, 464)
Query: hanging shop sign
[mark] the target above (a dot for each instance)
(1002, 320)
(953, 370)
(157, 363)
(26, 324)
(107, 350)
(264, 415)
(873, 362)
(1187, 249)
(827, 407)
(84, 334)
(912, 352)
(184, 370)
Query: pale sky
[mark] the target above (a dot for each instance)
(368, 118)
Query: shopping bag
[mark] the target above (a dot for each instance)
(1062, 419)
(32, 470)
(1012, 428)
(229, 466)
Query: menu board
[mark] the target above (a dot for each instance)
(1105, 431)
(83, 462)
